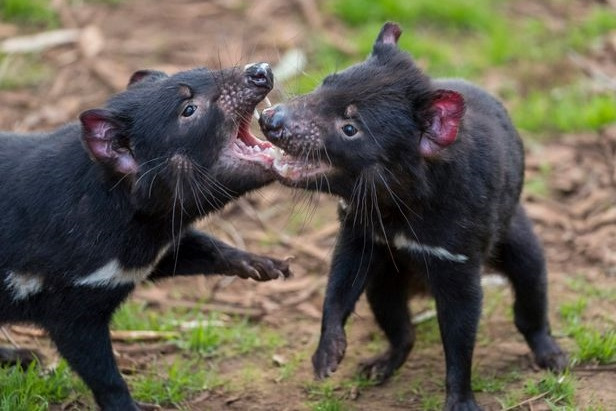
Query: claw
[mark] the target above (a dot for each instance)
(252, 272)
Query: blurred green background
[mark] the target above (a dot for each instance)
(529, 53)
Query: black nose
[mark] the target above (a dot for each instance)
(260, 74)
(272, 120)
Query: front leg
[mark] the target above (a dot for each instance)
(199, 253)
(349, 271)
(457, 291)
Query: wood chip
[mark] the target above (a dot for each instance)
(161, 348)
(91, 41)
(142, 335)
(279, 360)
(28, 331)
(36, 43)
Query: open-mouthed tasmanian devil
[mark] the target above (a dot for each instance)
(91, 209)
(430, 173)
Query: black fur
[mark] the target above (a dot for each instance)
(120, 190)
(430, 172)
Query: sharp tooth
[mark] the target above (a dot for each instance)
(267, 102)
(284, 171)
(276, 154)
(256, 114)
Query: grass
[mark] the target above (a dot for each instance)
(595, 24)
(36, 13)
(431, 402)
(557, 389)
(207, 339)
(135, 316)
(463, 14)
(488, 382)
(32, 389)
(593, 345)
(582, 286)
(571, 108)
(428, 333)
(18, 71)
(29, 12)
(290, 366)
(323, 397)
(429, 399)
(175, 382)
(538, 185)
(206, 334)
(470, 38)
(238, 338)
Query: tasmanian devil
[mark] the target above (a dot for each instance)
(91, 209)
(430, 173)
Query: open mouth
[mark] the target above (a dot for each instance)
(287, 168)
(246, 146)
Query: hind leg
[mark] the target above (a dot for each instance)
(77, 320)
(388, 297)
(520, 257)
(86, 345)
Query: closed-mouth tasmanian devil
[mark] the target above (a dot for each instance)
(91, 209)
(430, 173)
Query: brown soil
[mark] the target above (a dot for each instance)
(575, 216)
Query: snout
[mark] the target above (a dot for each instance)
(260, 75)
(272, 122)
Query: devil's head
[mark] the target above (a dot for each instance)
(377, 116)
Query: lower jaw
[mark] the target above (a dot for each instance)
(296, 175)
(240, 179)
(300, 181)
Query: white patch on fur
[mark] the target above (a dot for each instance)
(402, 242)
(23, 285)
(113, 274)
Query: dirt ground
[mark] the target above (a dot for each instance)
(576, 219)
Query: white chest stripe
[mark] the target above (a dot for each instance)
(402, 242)
(113, 274)
(23, 285)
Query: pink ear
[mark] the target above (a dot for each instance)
(101, 139)
(390, 33)
(446, 112)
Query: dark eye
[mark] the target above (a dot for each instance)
(349, 130)
(189, 110)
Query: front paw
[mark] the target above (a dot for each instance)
(260, 268)
(329, 354)
(549, 355)
(453, 404)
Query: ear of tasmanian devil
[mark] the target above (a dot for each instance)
(390, 33)
(387, 39)
(142, 75)
(104, 142)
(445, 114)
